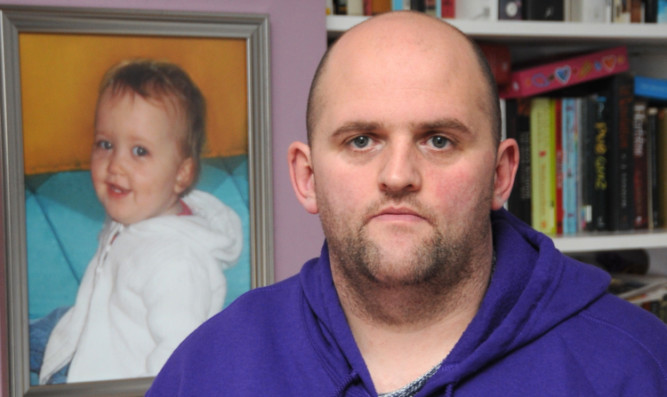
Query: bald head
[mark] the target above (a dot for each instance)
(399, 38)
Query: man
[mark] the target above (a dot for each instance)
(425, 285)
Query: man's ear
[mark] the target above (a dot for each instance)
(184, 175)
(302, 176)
(507, 163)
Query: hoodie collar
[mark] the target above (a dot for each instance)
(533, 288)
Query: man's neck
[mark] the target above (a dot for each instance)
(404, 332)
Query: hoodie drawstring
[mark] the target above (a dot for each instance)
(351, 378)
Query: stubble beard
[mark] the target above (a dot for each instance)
(427, 279)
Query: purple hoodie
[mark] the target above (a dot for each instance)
(546, 327)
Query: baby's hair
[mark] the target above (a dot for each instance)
(160, 80)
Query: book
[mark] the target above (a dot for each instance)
(510, 10)
(517, 126)
(566, 72)
(600, 159)
(374, 7)
(559, 167)
(587, 107)
(483, 10)
(570, 164)
(398, 5)
(543, 164)
(340, 7)
(621, 103)
(543, 10)
(589, 11)
(636, 11)
(662, 11)
(499, 59)
(653, 198)
(418, 5)
(620, 11)
(662, 165)
(652, 88)
(650, 11)
(355, 7)
(640, 166)
(448, 9)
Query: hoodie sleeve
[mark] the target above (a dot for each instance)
(183, 291)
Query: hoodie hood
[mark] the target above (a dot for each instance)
(213, 228)
(533, 289)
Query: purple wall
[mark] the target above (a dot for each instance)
(298, 39)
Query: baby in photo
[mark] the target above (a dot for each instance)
(157, 273)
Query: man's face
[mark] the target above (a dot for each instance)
(137, 167)
(404, 162)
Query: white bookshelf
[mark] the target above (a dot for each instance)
(647, 49)
(533, 31)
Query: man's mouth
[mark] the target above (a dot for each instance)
(403, 214)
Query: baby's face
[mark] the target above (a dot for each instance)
(137, 165)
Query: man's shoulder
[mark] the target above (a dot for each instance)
(262, 331)
(265, 314)
(627, 321)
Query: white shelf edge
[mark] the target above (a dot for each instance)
(531, 30)
(611, 241)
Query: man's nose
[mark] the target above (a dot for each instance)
(400, 169)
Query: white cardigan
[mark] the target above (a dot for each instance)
(143, 294)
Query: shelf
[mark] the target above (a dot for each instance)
(518, 31)
(611, 241)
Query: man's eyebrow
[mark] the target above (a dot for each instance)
(442, 124)
(357, 126)
(369, 126)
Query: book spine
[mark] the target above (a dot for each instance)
(650, 11)
(418, 5)
(543, 159)
(586, 125)
(636, 11)
(621, 191)
(570, 165)
(483, 10)
(640, 172)
(518, 127)
(543, 10)
(662, 11)
(593, 11)
(662, 166)
(396, 5)
(448, 9)
(600, 171)
(558, 132)
(652, 88)
(621, 11)
(355, 7)
(652, 153)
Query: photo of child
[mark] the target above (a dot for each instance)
(157, 272)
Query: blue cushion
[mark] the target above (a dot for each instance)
(64, 217)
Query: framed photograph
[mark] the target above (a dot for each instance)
(53, 62)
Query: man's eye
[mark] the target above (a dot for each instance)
(106, 145)
(361, 141)
(439, 141)
(139, 151)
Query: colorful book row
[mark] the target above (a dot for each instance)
(589, 11)
(590, 162)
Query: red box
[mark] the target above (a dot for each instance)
(571, 71)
